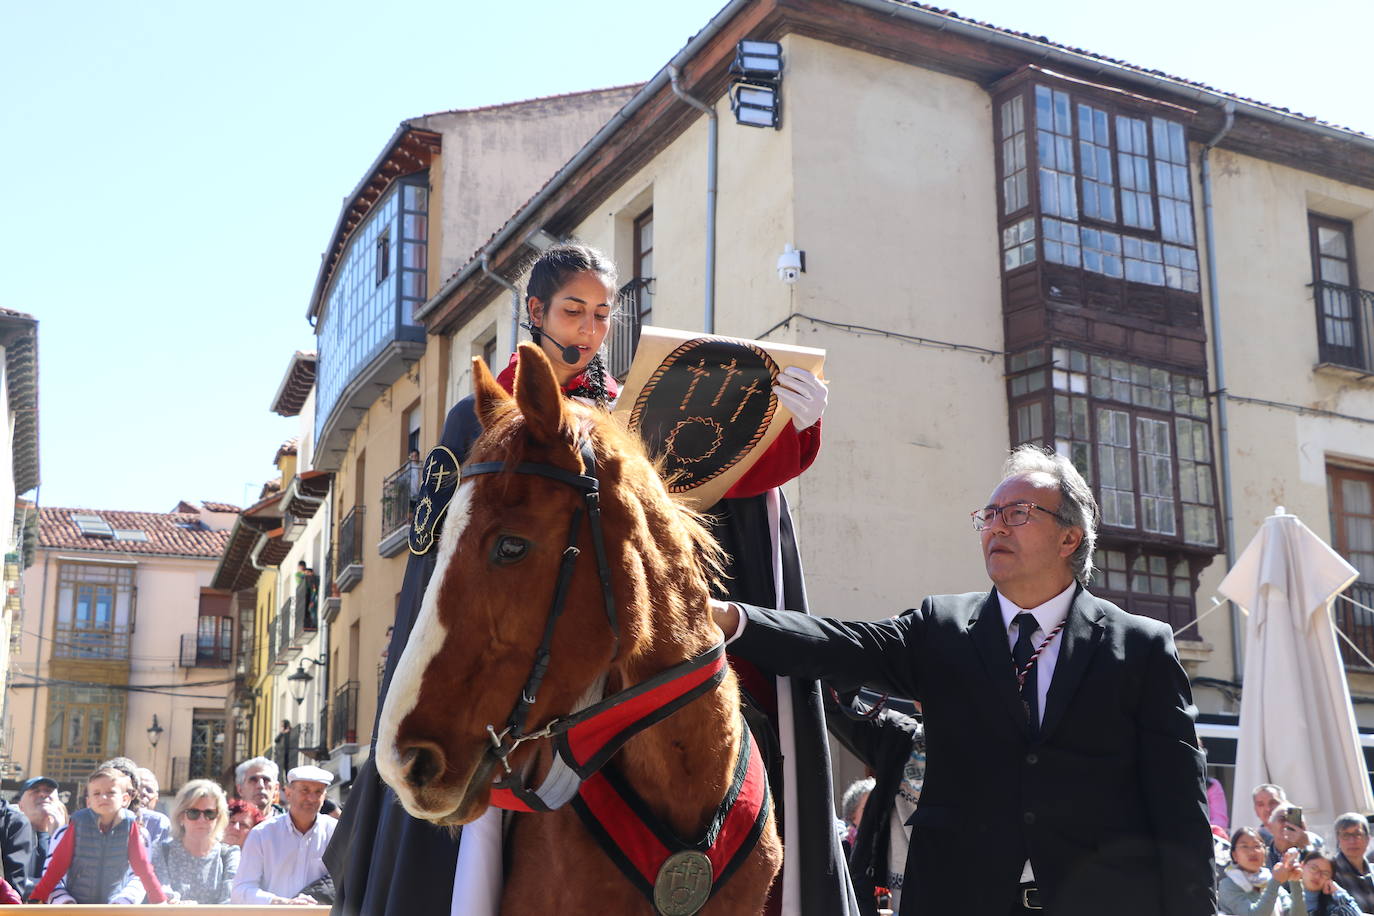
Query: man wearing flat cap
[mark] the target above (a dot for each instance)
(38, 800)
(284, 854)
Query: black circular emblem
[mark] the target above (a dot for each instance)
(709, 402)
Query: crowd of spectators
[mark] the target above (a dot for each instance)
(120, 848)
(1282, 868)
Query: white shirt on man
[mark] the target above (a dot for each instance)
(280, 861)
(1048, 615)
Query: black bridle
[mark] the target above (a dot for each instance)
(514, 734)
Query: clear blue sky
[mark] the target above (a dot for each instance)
(175, 169)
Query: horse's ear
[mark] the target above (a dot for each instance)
(539, 396)
(487, 392)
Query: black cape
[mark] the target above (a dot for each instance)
(741, 527)
(385, 862)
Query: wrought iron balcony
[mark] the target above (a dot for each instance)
(345, 725)
(208, 652)
(276, 660)
(350, 549)
(1345, 325)
(305, 622)
(1356, 624)
(624, 336)
(398, 492)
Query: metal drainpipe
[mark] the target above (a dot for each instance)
(712, 146)
(514, 298)
(38, 655)
(1219, 366)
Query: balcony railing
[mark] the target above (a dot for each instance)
(350, 549)
(306, 622)
(398, 494)
(84, 642)
(624, 336)
(208, 653)
(345, 724)
(276, 660)
(1355, 624)
(287, 648)
(1345, 325)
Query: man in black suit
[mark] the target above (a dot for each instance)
(1063, 774)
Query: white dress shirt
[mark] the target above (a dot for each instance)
(1048, 615)
(279, 861)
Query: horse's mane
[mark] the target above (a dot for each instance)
(625, 451)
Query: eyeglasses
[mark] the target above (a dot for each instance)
(195, 814)
(1353, 835)
(1013, 515)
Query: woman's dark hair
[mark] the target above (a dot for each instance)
(1317, 852)
(551, 272)
(1244, 831)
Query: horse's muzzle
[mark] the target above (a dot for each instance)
(425, 785)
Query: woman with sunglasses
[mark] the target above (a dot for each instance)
(192, 864)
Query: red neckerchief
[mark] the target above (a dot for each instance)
(639, 843)
(575, 386)
(584, 740)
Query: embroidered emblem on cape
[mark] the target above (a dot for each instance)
(710, 401)
(438, 483)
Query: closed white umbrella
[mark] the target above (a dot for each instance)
(1297, 727)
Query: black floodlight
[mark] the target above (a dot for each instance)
(758, 60)
(756, 104)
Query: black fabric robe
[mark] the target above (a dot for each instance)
(385, 862)
(741, 526)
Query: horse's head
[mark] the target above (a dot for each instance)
(484, 613)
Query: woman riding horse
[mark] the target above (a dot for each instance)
(387, 862)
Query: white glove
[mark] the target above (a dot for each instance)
(803, 394)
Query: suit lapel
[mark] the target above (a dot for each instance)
(1081, 636)
(994, 650)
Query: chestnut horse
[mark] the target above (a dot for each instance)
(485, 614)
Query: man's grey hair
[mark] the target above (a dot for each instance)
(265, 763)
(849, 802)
(1351, 819)
(1276, 791)
(1077, 507)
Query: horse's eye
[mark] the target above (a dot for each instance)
(509, 549)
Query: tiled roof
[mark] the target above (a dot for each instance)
(287, 448)
(1117, 62)
(220, 507)
(296, 384)
(169, 533)
(541, 98)
(19, 332)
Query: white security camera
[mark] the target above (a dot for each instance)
(791, 264)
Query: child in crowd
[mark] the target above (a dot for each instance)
(101, 855)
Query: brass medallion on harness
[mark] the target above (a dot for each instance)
(684, 884)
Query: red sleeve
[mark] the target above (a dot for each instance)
(59, 860)
(790, 454)
(8, 895)
(138, 860)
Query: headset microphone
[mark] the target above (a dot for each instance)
(570, 354)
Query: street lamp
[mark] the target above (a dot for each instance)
(301, 679)
(155, 732)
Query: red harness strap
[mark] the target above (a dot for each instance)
(639, 843)
(585, 740)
